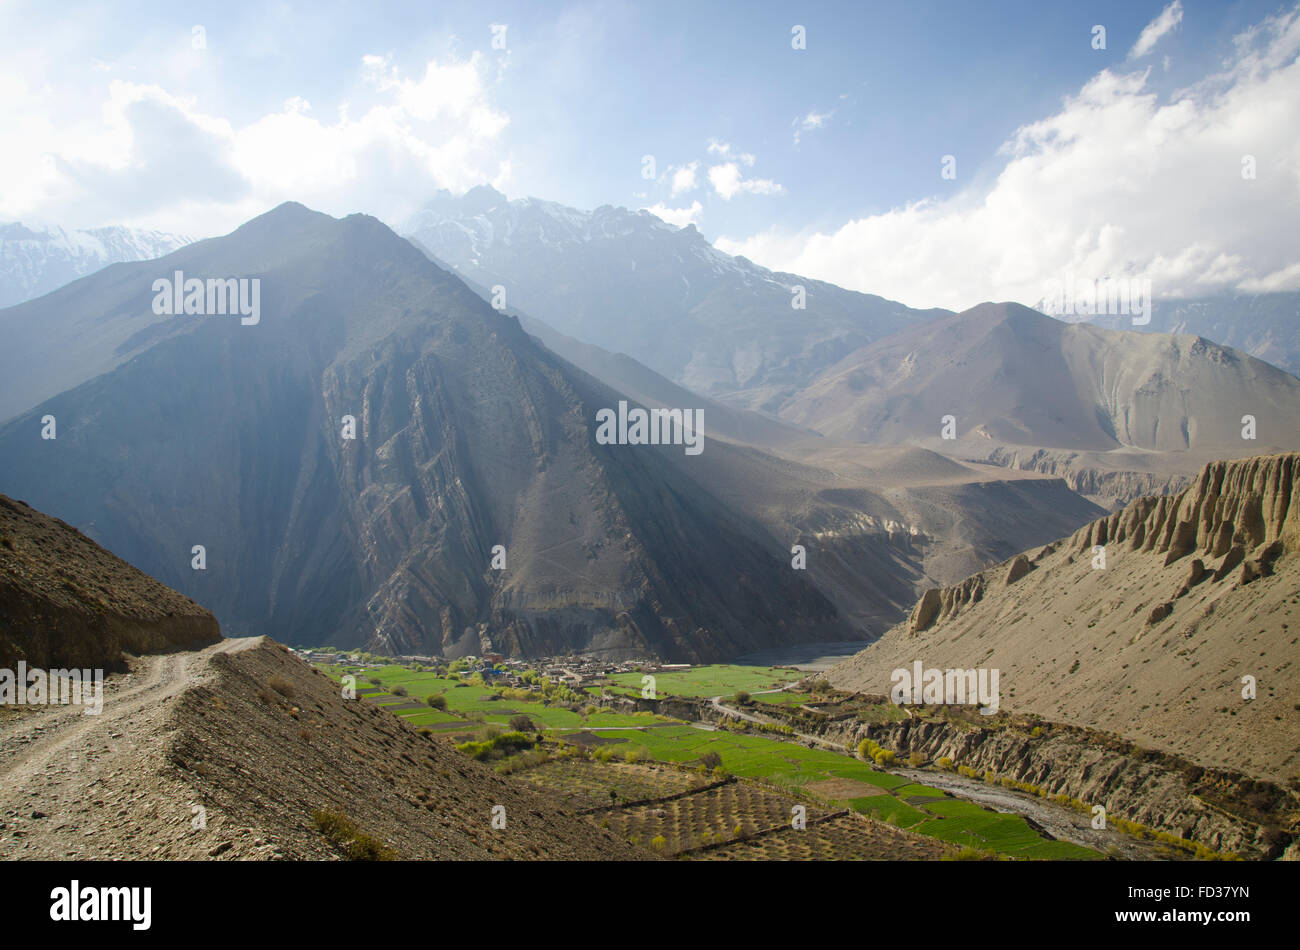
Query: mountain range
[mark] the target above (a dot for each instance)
(827, 498)
(36, 259)
(469, 434)
(626, 281)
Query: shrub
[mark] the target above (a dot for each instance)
(521, 723)
(475, 750)
(916, 760)
(512, 742)
(437, 701)
(710, 761)
(281, 686)
(743, 698)
(658, 842)
(343, 833)
(398, 690)
(944, 763)
(965, 854)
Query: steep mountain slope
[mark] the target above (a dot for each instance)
(1197, 591)
(1267, 326)
(626, 281)
(66, 602)
(878, 523)
(1117, 411)
(35, 261)
(468, 435)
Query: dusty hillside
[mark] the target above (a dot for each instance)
(65, 601)
(1198, 591)
(1116, 413)
(880, 523)
(260, 742)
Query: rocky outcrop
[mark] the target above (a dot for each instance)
(1244, 504)
(1147, 623)
(1110, 487)
(1236, 510)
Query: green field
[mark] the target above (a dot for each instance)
(900, 802)
(715, 680)
(787, 764)
(465, 702)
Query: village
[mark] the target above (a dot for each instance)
(573, 671)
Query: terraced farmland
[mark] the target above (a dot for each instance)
(841, 837)
(727, 812)
(845, 781)
(582, 784)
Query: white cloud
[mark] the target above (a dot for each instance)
(683, 179)
(156, 159)
(813, 120)
(1169, 18)
(723, 150)
(1116, 183)
(678, 217)
(727, 181)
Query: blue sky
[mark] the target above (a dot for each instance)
(809, 159)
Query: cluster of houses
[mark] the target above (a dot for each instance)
(494, 667)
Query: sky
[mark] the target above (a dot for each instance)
(936, 153)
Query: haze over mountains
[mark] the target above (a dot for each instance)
(850, 365)
(1026, 389)
(474, 431)
(35, 260)
(626, 281)
(469, 434)
(1267, 326)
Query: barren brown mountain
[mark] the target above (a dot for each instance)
(1198, 598)
(1117, 413)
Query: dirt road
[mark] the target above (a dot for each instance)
(69, 780)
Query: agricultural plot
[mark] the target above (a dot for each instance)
(729, 812)
(469, 702)
(841, 838)
(582, 784)
(897, 801)
(714, 680)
